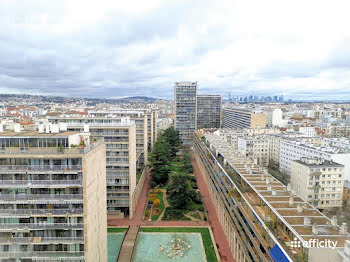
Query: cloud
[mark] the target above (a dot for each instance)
(114, 49)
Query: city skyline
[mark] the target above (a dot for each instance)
(118, 50)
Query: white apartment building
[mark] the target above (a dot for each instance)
(274, 117)
(255, 148)
(308, 131)
(294, 150)
(318, 181)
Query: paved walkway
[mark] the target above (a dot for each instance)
(219, 235)
(127, 248)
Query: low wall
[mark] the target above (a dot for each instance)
(137, 192)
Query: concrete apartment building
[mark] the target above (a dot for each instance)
(123, 156)
(274, 117)
(292, 149)
(52, 196)
(259, 215)
(243, 118)
(185, 108)
(318, 181)
(308, 131)
(255, 148)
(144, 132)
(208, 111)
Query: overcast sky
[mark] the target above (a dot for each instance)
(127, 48)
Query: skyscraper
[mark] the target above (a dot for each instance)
(185, 107)
(208, 111)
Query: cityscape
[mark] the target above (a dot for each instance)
(174, 131)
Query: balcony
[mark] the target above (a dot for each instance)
(30, 226)
(42, 197)
(40, 240)
(43, 254)
(39, 183)
(39, 168)
(40, 212)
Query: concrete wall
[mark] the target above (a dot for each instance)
(137, 193)
(95, 210)
(258, 120)
(132, 167)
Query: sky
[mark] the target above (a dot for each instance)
(113, 49)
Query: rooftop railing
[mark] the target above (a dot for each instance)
(50, 150)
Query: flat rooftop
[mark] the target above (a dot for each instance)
(36, 134)
(277, 199)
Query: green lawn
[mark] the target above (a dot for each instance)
(161, 206)
(206, 237)
(116, 229)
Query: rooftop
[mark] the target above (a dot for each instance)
(276, 196)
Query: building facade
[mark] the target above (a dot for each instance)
(185, 108)
(255, 148)
(242, 118)
(123, 156)
(208, 111)
(52, 197)
(318, 181)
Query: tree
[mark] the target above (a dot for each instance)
(180, 193)
(172, 137)
(188, 168)
(159, 162)
(156, 202)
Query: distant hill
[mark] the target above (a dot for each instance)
(138, 98)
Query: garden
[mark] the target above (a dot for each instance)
(174, 192)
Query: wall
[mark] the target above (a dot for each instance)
(95, 209)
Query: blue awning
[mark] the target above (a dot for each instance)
(277, 254)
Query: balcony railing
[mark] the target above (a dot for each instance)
(49, 254)
(29, 183)
(41, 197)
(4, 227)
(39, 167)
(37, 240)
(32, 212)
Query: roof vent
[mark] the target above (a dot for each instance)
(299, 208)
(307, 221)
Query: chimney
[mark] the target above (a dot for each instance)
(17, 128)
(307, 221)
(274, 192)
(300, 208)
(267, 180)
(269, 188)
(315, 229)
(343, 229)
(291, 200)
(334, 221)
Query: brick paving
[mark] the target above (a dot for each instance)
(213, 222)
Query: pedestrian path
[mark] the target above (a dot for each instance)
(127, 248)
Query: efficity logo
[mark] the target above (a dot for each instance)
(314, 243)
